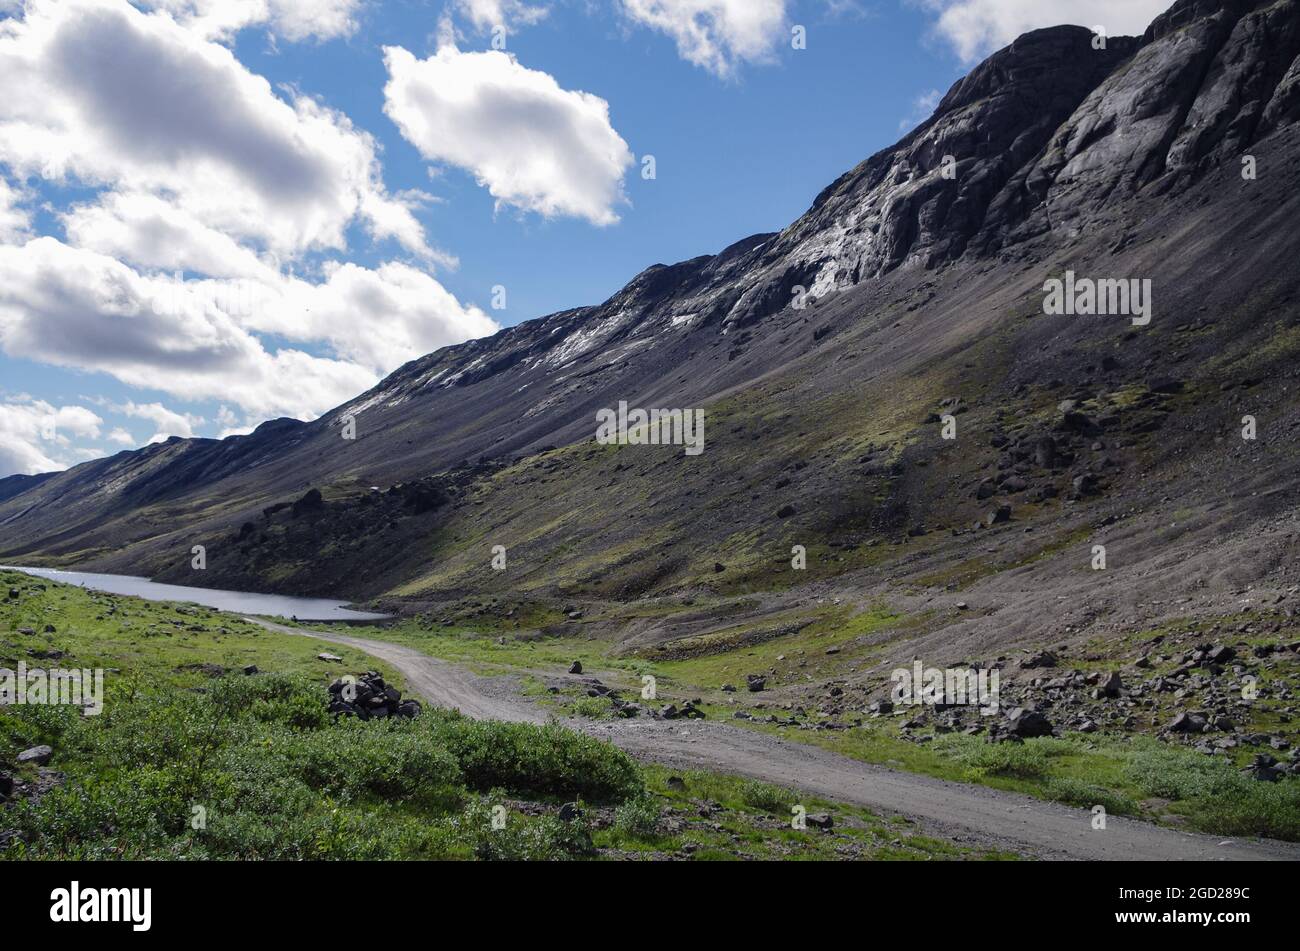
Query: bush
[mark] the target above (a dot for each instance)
(1172, 773)
(766, 796)
(1271, 810)
(295, 702)
(120, 817)
(274, 779)
(638, 818)
(548, 760)
(522, 839)
(1220, 799)
(1074, 792)
(1026, 760)
(392, 760)
(594, 708)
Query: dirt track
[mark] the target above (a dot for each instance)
(965, 813)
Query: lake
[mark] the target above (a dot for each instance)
(237, 602)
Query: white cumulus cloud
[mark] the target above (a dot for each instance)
(77, 308)
(149, 232)
(34, 435)
(74, 308)
(167, 422)
(292, 20)
(378, 318)
(532, 144)
(975, 28)
(489, 14)
(718, 35)
(14, 221)
(98, 93)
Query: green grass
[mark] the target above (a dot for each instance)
(1128, 775)
(186, 764)
(271, 777)
(838, 627)
(138, 641)
(1079, 770)
(1214, 795)
(725, 818)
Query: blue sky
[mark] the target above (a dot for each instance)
(346, 190)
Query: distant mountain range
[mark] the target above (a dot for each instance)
(828, 360)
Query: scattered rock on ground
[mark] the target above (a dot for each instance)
(369, 697)
(39, 755)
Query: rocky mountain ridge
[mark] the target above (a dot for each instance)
(917, 273)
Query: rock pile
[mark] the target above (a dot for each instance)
(368, 697)
(621, 707)
(687, 711)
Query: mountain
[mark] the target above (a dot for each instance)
(14, 484)
(1172, 158)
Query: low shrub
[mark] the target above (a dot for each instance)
(1026, 760)
(1075, 792)
(252, 768)
(522, 838)
(766, 796)
(638, 817)
(390, 760)
(547, 760)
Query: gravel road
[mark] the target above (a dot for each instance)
(970, 814)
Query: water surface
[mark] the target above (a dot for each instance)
(238, 602)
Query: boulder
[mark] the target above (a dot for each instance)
(1041, 659)
(999, 515)
(1264, 769)
(575, 667)
(570, 811)
(1028, 723)
(756, 683)
(1080, 423)
(1189, 723)
(37, 756)
(1220, 654)
(1085, 484)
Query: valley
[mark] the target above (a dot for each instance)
(921, 449)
